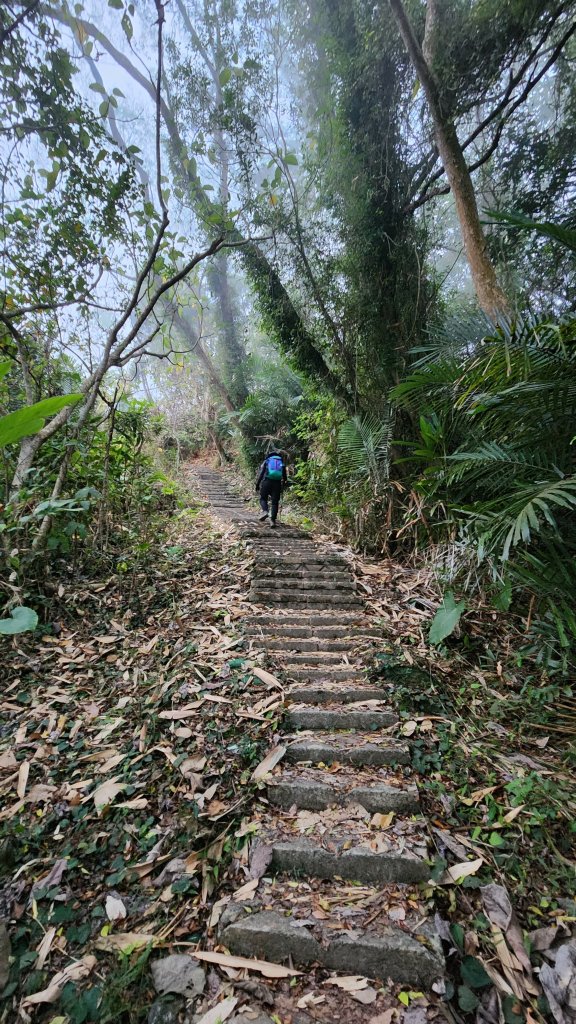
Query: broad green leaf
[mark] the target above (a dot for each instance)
(116, 4)
(30, 419)
(5, 368)
(467, 1001)
(446, 619)
(225, 76)
(457, 933)
(292, 159)
(21, 620)
(473, 972)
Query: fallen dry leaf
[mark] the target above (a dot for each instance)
(44, 948)
(270, 761)
(365, 995)
(246, 891)
(266, 677)
(309, 999)
(386, 1017)
(8, 761)
(106, 793)
(382, 820)
(115, 908)
(268, 970)
(73, 972)
(477, 795)
(349, 983)
(23, 774)
(220, 1012)
(462, 870)
(123, 941)
(260, 860)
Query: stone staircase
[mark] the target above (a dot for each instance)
(340, 815)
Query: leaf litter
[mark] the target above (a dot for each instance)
(117, 821)
(158, 845)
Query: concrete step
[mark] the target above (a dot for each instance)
(357, 864)
(392, 954)
(330, 748)
(331, 659)
(305, 600)
(343, 634)
(316, 620)
(274, 542)
(292, 643)
(301, 584)
(324, 673)
(315, 599)
(288, 533)
(310, 795)
(326, 693)
(284, 573)
(293, 559)
(343, 718)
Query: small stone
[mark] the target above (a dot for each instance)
(178, 973)
(163, 1012)
(249, 1018)
(230, 915)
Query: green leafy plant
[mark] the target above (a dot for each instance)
(498, 469)
(21, 620)
(446, 618)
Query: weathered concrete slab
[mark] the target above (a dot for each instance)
(357, 864)
(282, 645)
(296, 599)
(317, 796)
(330, 659)
(394, 955)
(303, 585)
(324, 672)
(329, 752)
(312, 718)
(312, 623)
(345, 693)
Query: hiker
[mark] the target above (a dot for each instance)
(271, 479)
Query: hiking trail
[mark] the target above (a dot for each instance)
(340, 807)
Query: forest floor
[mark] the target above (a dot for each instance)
(131, 727)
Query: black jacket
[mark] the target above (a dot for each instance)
(262, 472)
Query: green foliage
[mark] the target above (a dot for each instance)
(565, 235)
(268, 417)
(364, 447)
(21, 620)
(67, 180)
(30, 419)
(113, 486)
(496, 461)
(446, 618)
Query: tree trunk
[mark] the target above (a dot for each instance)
(28, 448)
(232, 350)
(490, 296)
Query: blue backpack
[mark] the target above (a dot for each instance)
(274, 467)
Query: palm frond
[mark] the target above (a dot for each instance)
(364, 447)
(567, 236)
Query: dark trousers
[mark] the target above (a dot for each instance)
(270, 489)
